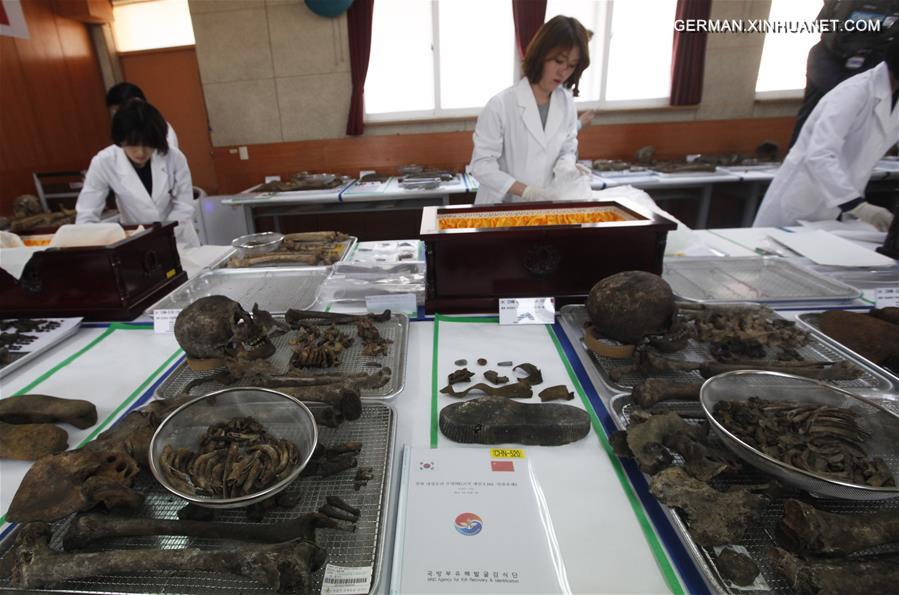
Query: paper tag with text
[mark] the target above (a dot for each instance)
(541, 310)
(346, 580)
(395, 302)
(164, 320)
(507, 453)
(886, 297)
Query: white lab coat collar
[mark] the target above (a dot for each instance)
(131, 180)
(531, 116)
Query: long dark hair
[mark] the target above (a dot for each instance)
(138, 123)
(559, 34)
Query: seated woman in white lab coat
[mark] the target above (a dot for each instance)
(150, 180)
(527, 134)
(825, 173)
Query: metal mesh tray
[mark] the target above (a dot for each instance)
(574, 317)
(810, 321)
(349, 246)
(760, 536)
(351, 361)
(365, 547)
(751, 279)
(274, 289)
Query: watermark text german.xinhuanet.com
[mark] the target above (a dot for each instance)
(768, 26)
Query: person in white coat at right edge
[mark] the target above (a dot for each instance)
(527, 134)
(825, 173)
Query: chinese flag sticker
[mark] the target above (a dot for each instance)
(502, 466)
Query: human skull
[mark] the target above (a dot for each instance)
(217, 327)
(26, 205)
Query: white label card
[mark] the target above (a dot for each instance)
(346, 580)
(164, 320)
(541, 310)
(395, 302)
(886, 297)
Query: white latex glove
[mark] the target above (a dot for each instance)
(584, 170)
(566, 171)
(535, 193)
(879, 217)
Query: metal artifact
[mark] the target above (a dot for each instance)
(482, 361)
(462, 375)
(498, 420)
(533, 375)
(494, 377)
(518, 390)
(555, 393)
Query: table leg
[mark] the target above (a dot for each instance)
(705, 201)
(251, 221)
(752, 203)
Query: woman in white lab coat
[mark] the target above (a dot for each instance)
(527, 134)
(849, 131)
(150, 180)
(121, 93)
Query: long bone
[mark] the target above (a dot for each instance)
(293, 317)
(825, 533)
(90, 528)
(34, 409)
(284, 567)
(656, 390)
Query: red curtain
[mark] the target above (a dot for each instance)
(359, 28)
(688, 57)
(528, 16)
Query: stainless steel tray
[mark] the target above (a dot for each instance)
(365, 547)
(810, 321)
(349, 246)
(574, 317)
(274, 289)
(752, 279)
(351, 360)
(759, 537)
(68, 327)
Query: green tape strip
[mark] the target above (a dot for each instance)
(658, 551)
(434, 383)
(65, 362)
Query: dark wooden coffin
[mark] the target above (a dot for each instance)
(469, 269)
(114, 282)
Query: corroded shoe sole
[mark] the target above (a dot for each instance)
(498, 420)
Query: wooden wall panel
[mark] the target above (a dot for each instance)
(170, 78)
(453, 149)
(53, 114)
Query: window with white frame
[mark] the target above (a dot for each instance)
(448, 58)
(630, 53)
(784, 55)
(151, 24)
